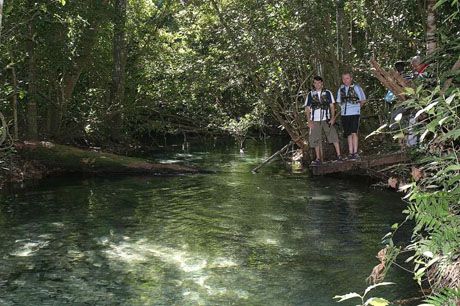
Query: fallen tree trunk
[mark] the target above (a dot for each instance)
(66, 159)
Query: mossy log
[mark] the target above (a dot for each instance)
(66, 159)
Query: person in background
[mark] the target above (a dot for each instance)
(399, 66)
(420, 75)
(418, 68)
(351, 98)
(320, 111)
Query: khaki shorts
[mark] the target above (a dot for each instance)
(316, 133)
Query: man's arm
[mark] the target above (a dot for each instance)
(308, 102)
(361, 96)
(332, 108)
(308, 114)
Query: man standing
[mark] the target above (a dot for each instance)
(351, 98)
(320, 111)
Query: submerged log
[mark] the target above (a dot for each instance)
(272, 157)
(365, 163)
(66, 159)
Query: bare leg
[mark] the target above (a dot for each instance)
(350, 143)
(337, 148)
(318, 152)
(355, 142)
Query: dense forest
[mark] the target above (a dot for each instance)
(124, 73)
(96, 72)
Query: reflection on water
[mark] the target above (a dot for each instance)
(233, 237)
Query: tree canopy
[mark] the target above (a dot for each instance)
(140, 68)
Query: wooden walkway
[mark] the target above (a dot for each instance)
(364, 163)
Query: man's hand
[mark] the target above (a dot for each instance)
(310, 124)
(332, 121)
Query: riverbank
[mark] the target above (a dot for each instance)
(33, 161)
(36, 160)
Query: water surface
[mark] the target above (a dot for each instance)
(229, 238)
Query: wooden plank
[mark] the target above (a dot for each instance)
(362, 164)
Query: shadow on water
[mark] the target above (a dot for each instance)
(233, 237)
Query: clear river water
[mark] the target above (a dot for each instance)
(226, 238)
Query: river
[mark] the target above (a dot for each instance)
(228, 238)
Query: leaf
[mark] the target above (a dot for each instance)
(377, 131)
(347, 296)
(377, 302)
(450, 99)
(387, 235)
(428, 254)
(439, 3)
(451, 168)
(398, 117)
(426, 109)
(454, 134)
(441, 122)
(409, 90)
(62, 2)
(377, 285)
(405, 187)
(399, 136)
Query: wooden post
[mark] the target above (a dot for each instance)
(14, 102)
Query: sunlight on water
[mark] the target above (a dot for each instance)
(275, 217)
(169, 161)
(228, 238)
(322, 197)
(132, 253)
(27, 247)
(222, 262)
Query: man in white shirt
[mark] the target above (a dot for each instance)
(351, 98)
(320, 111)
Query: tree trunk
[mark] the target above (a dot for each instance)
(338, 23)
(32, 110)
(117, 91)
(72, 75)
(1, 16)
(14, 103)
(343, 42)
(431, 41)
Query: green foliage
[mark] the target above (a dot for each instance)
(445, 297)
(434, 200)
(239, 127)
(373, 301)
(191, 68)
